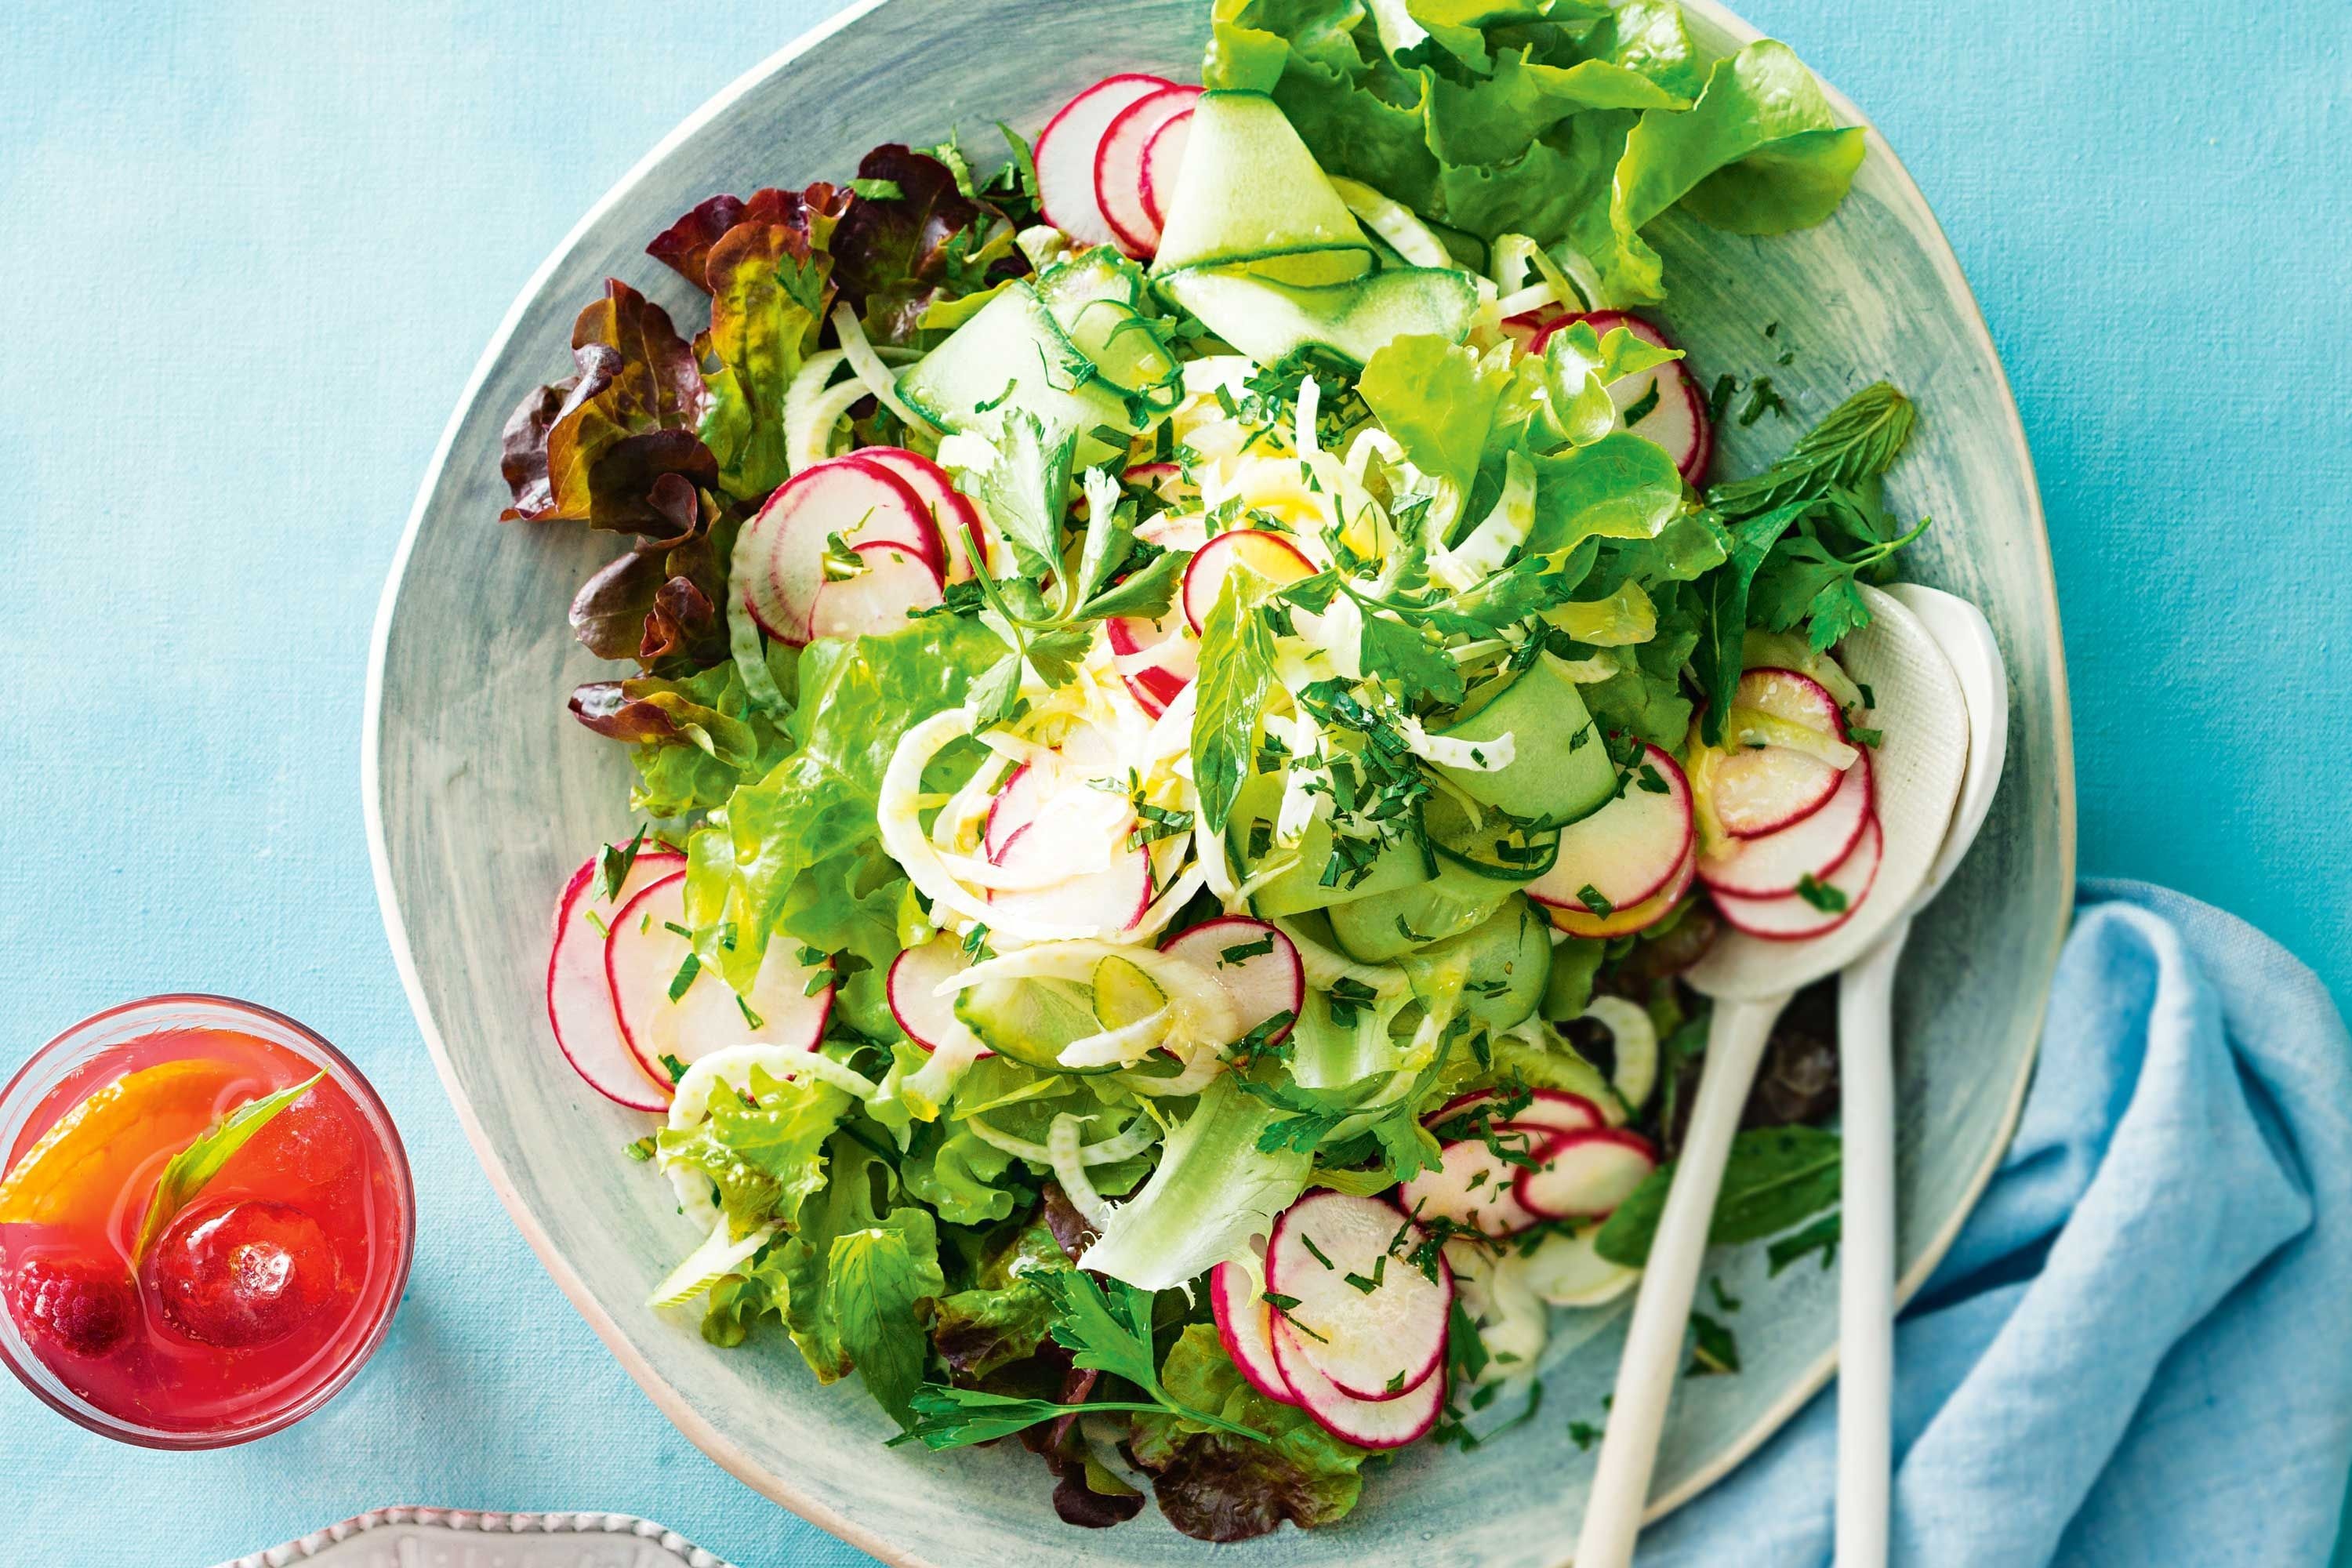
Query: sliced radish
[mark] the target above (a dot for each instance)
(1119, 166)
(1389, 1422)
(642, 965)
(1166, 481)
(895, 584)
(1581, 922)
(1012, 808)
(1066, 152)
(1812, 846)
(913, 984)
(1791, 917)
(1112, 899)
(950, 509)
(1246, 1327)
(1270, 556)
(1473, 1183)
(1162, 157)
(1755, 790)
(579, 1001)
(1676, 419)
(1262, 983)
(1585, 1175)
(780, 558)
(1157, 659)
(1551, 1109)
(1630, 849)
(1367, 1317)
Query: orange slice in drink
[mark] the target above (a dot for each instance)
(75, 1174)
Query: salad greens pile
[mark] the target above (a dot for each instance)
(1478, 604)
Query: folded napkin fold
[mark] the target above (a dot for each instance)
(2141, 1350)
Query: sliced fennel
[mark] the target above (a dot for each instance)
(1214, 1189)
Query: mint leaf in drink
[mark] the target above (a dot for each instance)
(200, 1160)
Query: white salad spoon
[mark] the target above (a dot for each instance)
(1865, 1046)
(1917, 771)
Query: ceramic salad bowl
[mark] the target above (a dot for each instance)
(482, 793)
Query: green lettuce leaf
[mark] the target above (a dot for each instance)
(1214, 1188)
(1568, 122)
(1757, 153)
(696, 738)
(1214, 1485)
(857, 697)
(850, 1283)
(1438, 400)
(764, 1157)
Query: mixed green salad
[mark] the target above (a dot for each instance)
(1194, 690)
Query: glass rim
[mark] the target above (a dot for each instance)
(43, 1383)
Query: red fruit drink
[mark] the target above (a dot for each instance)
(265, 1276)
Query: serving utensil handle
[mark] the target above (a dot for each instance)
(1654, 1344)
(1866, 1252)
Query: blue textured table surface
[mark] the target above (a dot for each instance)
(254, 247)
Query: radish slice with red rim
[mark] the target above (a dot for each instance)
(1552, 1110)
(913, 986)
(1110, 900)
(1389, 1422)
(954, 517)
(1119, 166)
(1257, 965)
(1755, 790)
(1012, 808)
(896, 583)
(1157, 659)
(1472, 1185)
(1792, 917)
(1065, 155)
(1366, 1317)
(580, 1002)
(1583, 923)
(646, 959)
(778, 560)
(1677, 417)
(1270, 556)
(1813, 846)
(1630, 849)
(1585, 1175)
(1244, 1327)
(1163, 155)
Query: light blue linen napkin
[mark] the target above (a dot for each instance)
(2140, 1351)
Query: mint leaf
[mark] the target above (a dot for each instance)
(1230, 694)
(1776, 1177)
(202, 1160)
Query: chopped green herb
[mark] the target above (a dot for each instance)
(1820, 895)
(1308, 1242)
(1761, 400)
(672, 1066)
(641, 1150)
(1591, 899)
(1642, 407)
(1366, 1284)
(1714, 1351)
(753, 1019)
(1244, 952)
(616, 864)
(684, 976)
